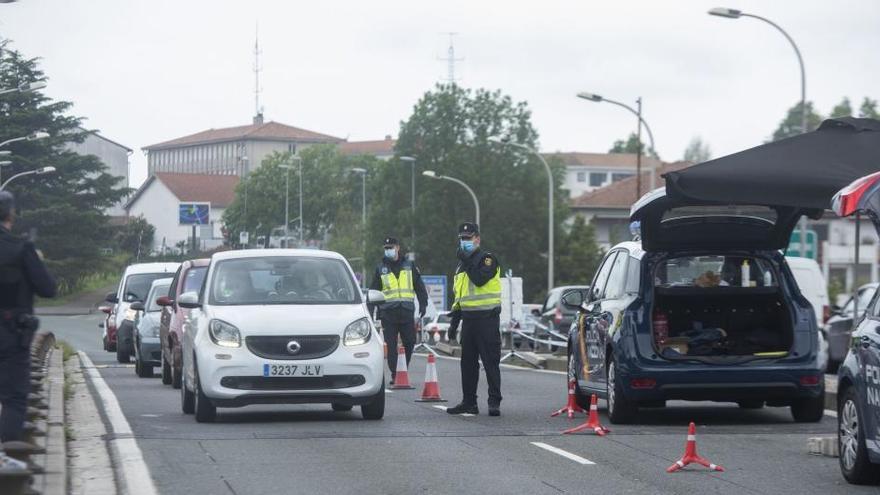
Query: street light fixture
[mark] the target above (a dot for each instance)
(434, 175)
(550, 186)
(363, 173)
(412, 228)
(39, 171)
(736, 14)
(25, 87)
(638, 113)
(30, 137)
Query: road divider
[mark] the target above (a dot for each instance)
(690, 454)
(431, 388)
(568, 455)
(571, 406)
(592, 422)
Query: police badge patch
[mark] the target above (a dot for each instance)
(487, 261)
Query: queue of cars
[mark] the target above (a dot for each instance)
(272, 326)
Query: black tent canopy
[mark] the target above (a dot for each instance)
(803, 171)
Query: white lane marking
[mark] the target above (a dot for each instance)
(831, 412)
(442, 408)
(568, 455)
(150, 415)
(465, 415)
(387, 391)
(133, 472)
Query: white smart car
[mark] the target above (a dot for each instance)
(281, 326)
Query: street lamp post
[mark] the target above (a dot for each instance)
(434, 175)
(363, 173)
(3, 164)
(412, 228)
(638, 113)
(24, 87)
(550, 186)
(39, 171)
(736, 14)
(287, 167)
(30, 137)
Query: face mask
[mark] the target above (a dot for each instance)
(466, 245)
(391, 253)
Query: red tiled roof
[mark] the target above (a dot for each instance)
(601, 160)
(621, 194)
(377, 147)
(219, 190)
(268, 131)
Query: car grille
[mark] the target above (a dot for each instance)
(275, 346)
(292, 382)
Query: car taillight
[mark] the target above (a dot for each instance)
(826, 313)
(557, 315)
(809, 380)
(643, 383)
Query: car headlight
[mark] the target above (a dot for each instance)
(357, 332)
(224, 334)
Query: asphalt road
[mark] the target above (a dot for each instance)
(418, 448)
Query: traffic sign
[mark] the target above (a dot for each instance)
(243, 238)
(794, 244)
(436, 287)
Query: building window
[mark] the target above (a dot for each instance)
(291, 147)
(620, 176)
(598, 179)
(581, 176)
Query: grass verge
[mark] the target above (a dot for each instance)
(67, 350)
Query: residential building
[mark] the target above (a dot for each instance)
(113, 155)
(159, 200)
(585, 172)
(230, 150)
(381, 148)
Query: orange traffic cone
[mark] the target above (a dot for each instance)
(592, 422)
(401, 378)
(431, 390)
(572, 406)
(690, 454)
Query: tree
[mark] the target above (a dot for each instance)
(791, 124)
(448, 132)
(136, 237)
(697, 151)
(580, 255)
(868, 109)
(66, 208)
(631, 145)
(842, 109)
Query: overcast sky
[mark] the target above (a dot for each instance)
(147, 71)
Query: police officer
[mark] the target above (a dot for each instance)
(22, 274)
(400, 281)
(477, 305)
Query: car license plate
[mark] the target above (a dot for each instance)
(293, 370)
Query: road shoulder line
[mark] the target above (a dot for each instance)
(564, 453)
(132, 472)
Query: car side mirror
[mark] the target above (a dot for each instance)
(111, 298)
(374, 296)
(189, 300)
(573, 299)
(105, 309)
(164, 301)
(137, 306)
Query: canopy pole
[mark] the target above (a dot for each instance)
(856, 272)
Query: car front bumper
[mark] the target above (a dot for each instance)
(149, 350)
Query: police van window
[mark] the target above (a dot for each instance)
(597, 290)
(617, 278)
(633, 273)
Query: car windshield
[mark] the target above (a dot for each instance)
(137, 286)
(194, 278)
(714, 271)
(865, 296)
(157, 292)
(282, 280)
(444, 318)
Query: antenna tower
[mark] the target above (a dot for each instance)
(257, 69)
(450, 59)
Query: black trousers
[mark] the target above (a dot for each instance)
(480, 338)
(15, 384)
(407, 331)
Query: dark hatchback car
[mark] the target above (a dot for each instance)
(553, 313)
(858, 379)
(703, 308)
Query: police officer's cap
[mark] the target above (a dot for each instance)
(391, 241)
(7, 204)
(468, 230)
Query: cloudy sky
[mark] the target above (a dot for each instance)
(148, 71)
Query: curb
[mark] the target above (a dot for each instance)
(55, 479)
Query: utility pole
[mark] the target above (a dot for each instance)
(639, 153)
(450, 60)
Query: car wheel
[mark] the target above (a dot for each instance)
(166, 370)
(143, 370)
(809, 410)
(582, 399)
(375, 409)
(205, 411)
(187, 398)
(122, 355)
(620, 410)
(832, 366)
(341, 407)
(750, 404)
(854, 463)
(106, 345)
(176, 370)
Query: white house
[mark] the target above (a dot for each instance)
(160, 198)
(586, 172)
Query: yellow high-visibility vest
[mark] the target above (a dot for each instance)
(398, 291)
(469, 297)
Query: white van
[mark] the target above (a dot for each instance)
(812, 284)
